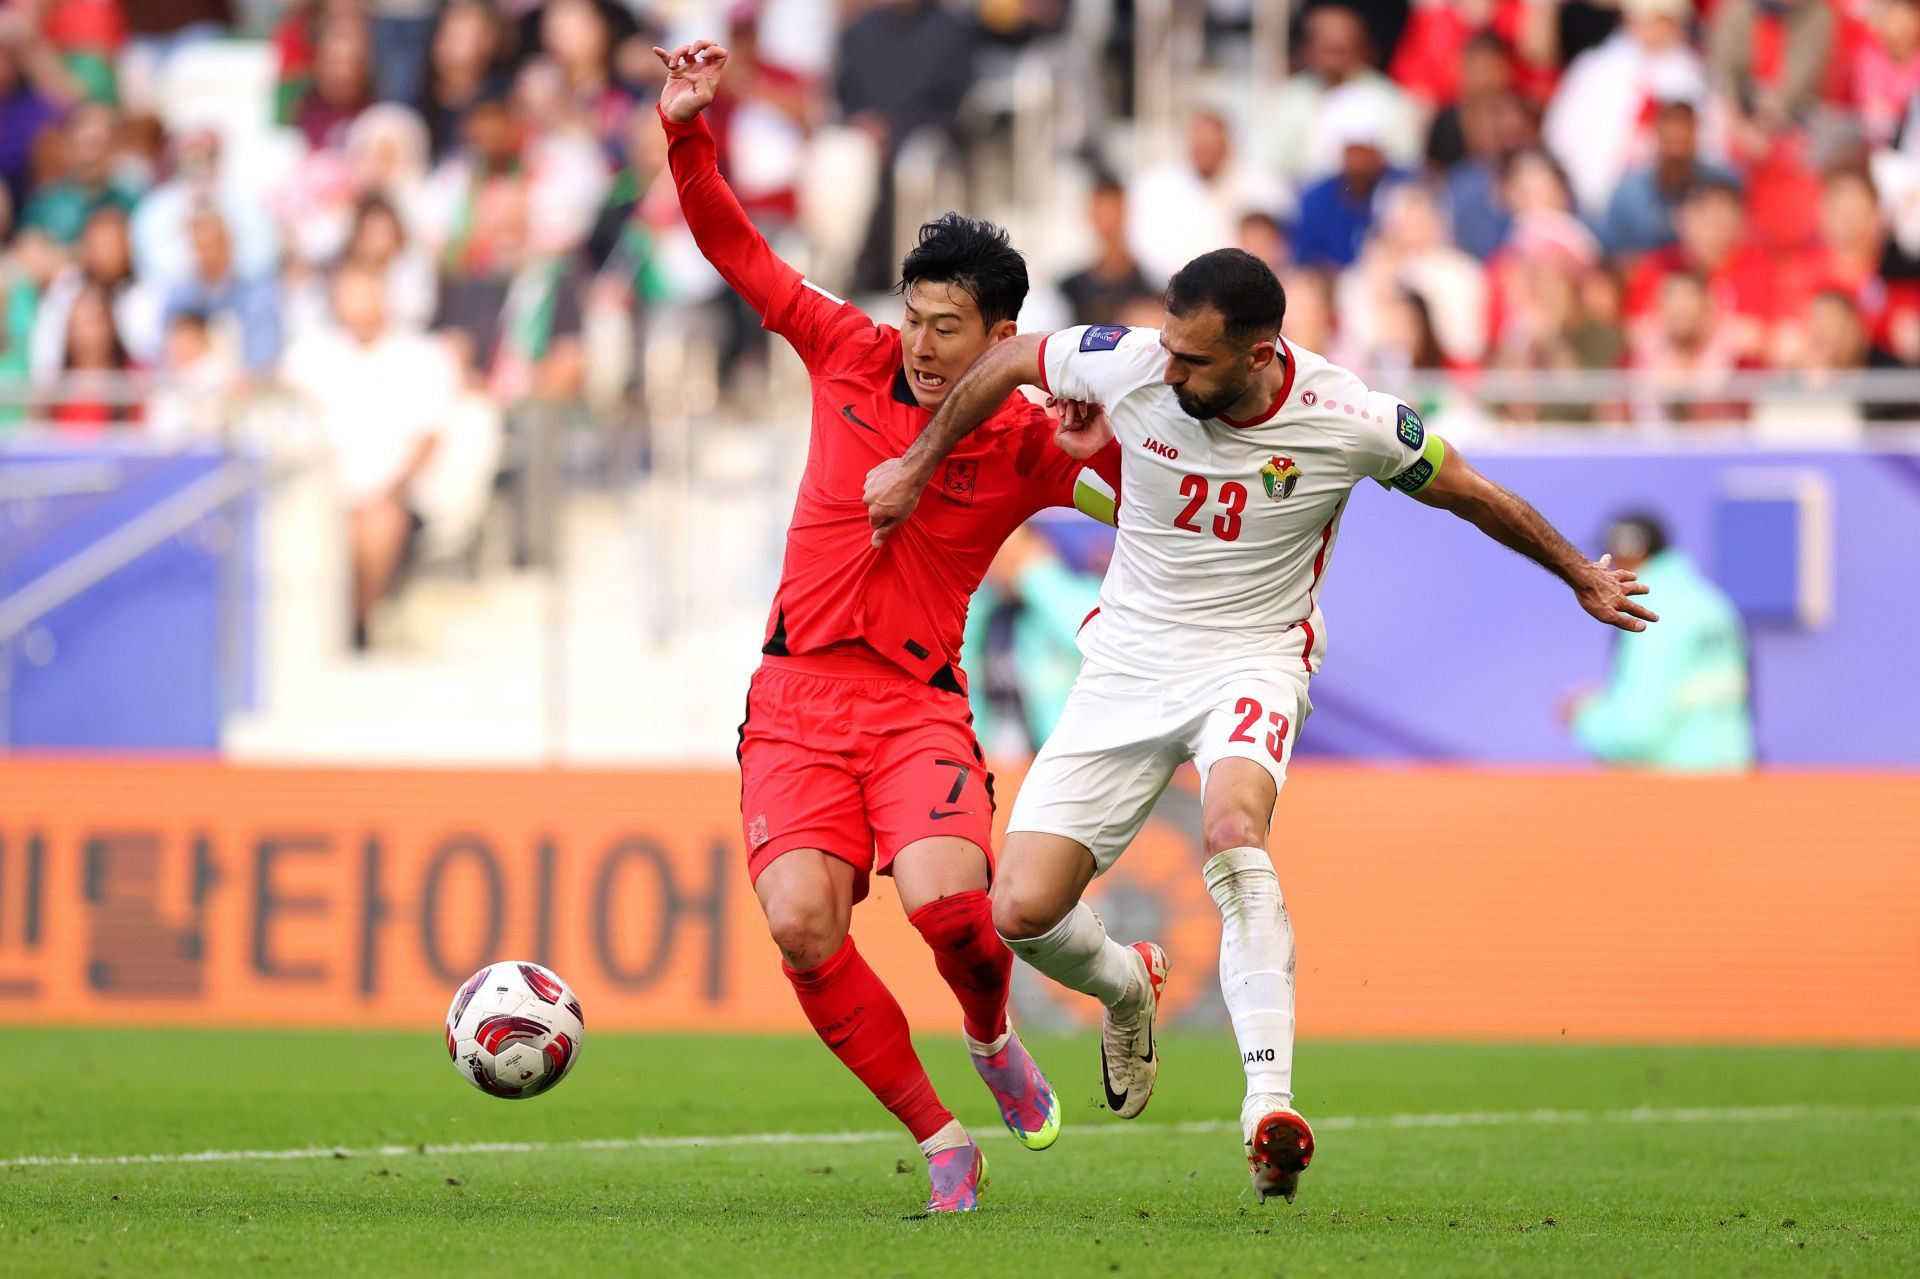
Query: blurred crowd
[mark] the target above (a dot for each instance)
(445, 224)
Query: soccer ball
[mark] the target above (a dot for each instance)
(514, 1029)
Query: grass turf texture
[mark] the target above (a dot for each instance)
(1836, 1192)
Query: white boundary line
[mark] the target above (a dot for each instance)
(1337, 1123)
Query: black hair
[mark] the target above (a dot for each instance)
(972, 255)
(1239, 286)
(1636, 533)
(1712, 184)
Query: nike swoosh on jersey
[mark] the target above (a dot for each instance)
(936, 815)
(846, 411)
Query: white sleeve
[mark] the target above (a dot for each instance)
(1099, 362)
(1396, 448)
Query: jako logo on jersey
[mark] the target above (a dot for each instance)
(1412, 433)
(1102, 337)
(1164, 450)
(1256, 1054)
(1279, 477)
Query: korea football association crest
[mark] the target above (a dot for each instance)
(1280, 476)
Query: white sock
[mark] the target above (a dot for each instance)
(949, 1136)
(1079, 955)
(980, 1048)
(1256, 967)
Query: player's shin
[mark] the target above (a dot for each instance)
(857, 1017)
(1079, 955)
(1256, 971)
(971, 958)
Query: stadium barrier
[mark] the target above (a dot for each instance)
(1434, 904)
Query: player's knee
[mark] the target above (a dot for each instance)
(807, 930)
(1234, 830)
(1022, 915)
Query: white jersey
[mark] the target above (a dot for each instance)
(1226, 528)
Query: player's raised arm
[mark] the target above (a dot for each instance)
(893, 487)
(726, 236)
(1604, 591)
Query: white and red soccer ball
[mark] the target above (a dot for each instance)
(514, 1029)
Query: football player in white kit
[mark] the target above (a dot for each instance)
(1239, 454)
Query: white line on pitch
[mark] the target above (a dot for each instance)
(1335, 1123)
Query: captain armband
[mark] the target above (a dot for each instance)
(1416, 478)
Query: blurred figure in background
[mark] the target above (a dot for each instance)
(1686, 349)
(1337, 54)
(1770, 59)
(1337, 213)
(1098, 289)
(33, 91)
(1194, 203)
(242, 312)
(93, 392)
(342, 84)
(1640, 215)
(103, 261)
(463, 68)
(1022, 643)
(194, 397)
(382, 396)
(1713, 244)
(87, 182)
(1409, 250)
(1677, 696)
(1596, 125)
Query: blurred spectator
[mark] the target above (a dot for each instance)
(162, 250)
(1676, 698)
(102, 262)
(1337, 54)
(904, 65)
(378, 242)
(1336, 213)
(1262, 235)
(578, 39)
(1596, 123)
(88, 35)
(1769, 59)
(1436, 58)
(1836, 348)
(1496, 127)
(382, 396)
(200, 376)
(243, 312)
(1713, 244)
(159, 29)
(88, 181)
(1410, 252)
(1309, 317)
(92, 392)
(1185, 207)
(1021, 643)
(477, 221)
(1098, 289)
(1686, 349)
(1640, 215)
(567, 160)
(464, 67)
(33, 90)
(402, 32)
(342, 81)
(1851, 258)
(1486, 72)
(1886, 69)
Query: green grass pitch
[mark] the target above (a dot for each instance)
(1433, 1160)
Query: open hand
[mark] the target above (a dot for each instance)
(693, 75)
(1083, 428)
(893, 490)
(1606, 592)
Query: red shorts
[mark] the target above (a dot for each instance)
(839, 754)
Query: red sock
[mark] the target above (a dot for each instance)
(971, 956)
(859, 1019)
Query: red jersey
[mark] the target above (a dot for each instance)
(907, 600)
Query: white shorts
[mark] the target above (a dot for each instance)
(1121, 737)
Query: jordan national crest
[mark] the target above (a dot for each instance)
(1280, 476)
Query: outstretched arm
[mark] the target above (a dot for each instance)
(893, 487)
(726, 236)
(1604, 591)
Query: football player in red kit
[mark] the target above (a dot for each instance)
(857, 753)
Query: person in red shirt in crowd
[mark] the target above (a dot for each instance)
(857, 738)
(1712, 226)
(1853, 245)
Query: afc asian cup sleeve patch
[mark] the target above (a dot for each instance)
(1103, 337)
(1412, 433)
(1415, 477)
